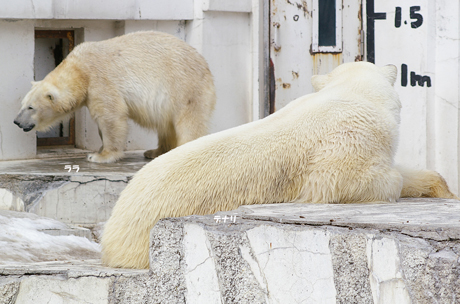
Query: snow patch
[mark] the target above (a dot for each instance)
(22, 241)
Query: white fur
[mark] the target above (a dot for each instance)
(155, 79)
(333, 146)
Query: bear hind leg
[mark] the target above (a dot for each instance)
(167, 140)
(424, 183)
(193, 122)
(190, 131)
(190, 123)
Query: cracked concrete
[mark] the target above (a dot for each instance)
(200, 267)
(31, 188)
(167, 267)
(280, 253)
(9, 288)
(294, 253)
(83, 200)
(73, 282)
(413, 217)
(78, 199)
(237, 283)
(46, 188)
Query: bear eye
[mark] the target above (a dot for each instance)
(30, 108)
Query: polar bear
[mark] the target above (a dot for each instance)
(153, 78)
(333, 146)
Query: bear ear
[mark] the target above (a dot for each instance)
(391, 72)
(319, 81)
(50, 96)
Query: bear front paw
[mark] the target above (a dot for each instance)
(104, 157)
(151, 154)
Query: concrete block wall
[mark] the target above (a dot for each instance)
(82, 194)
(402, 253)
(262, 262)
(78, 199)
(16, 62)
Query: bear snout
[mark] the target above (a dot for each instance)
(26, 128)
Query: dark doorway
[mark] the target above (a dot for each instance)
(51, 47)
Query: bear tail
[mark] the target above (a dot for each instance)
(424, 183)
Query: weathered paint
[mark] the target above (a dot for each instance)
(325, 62)
(294, 63)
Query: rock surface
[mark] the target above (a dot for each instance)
(408, 252)
(69, 189)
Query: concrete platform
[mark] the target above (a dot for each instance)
(66, 187)
(408, 252)
(69, 282)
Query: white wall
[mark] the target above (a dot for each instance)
(429, 132)
(221, 33)
(97, 10)
(229, 61)
(16, 73)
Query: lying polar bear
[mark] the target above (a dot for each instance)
(154, 78)
(333, 146)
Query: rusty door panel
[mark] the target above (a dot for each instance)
(294, 62)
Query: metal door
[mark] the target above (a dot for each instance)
(307, 38)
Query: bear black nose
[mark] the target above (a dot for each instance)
(16, 122)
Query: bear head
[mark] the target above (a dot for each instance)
(53, 99)
(357, 72)
(41, 108)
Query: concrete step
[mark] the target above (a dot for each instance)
(70, 282)
(68, 189)
(408, 252)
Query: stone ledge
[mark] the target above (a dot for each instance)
(46, 188)
(281, 253)
(422, 217)
(71, 282)
(70, 269)
(287, 253)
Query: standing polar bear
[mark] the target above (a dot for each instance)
(153, 78)
(333, 146)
